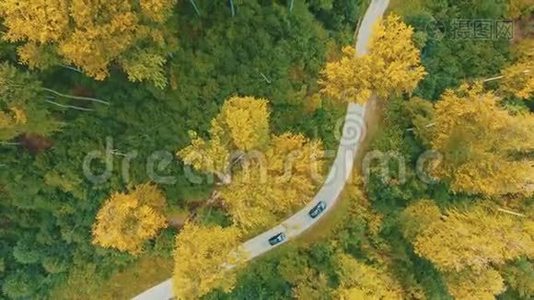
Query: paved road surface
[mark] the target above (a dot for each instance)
(352, 135)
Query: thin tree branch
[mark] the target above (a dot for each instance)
(232, 8)
(502, 76)
(75, 97)
(9, 143)
(493, 78)
(68, 106)
(195, 7)
(510, 212)
(426, 126)
(71, 68)
(265, 77)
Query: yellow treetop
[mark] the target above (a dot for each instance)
(207, 156)
(392, 66)
(90, 35)
(516, 9)
(417, 217)
(311, 284)
(126, 221)
(246, 119)
(350, 79)
(275, 182)
(518, 78)
(479, 141)
(35, 21)
(264, 176)
(475, 239)
(202, 257)
(475, 285)
(11, 121)
(156, 10)
(361, 281)
(242, 125)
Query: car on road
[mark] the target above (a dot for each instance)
(276, 239)
(317, 209)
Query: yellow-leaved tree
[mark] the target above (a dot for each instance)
(417, 217)
(393, 66)
(242, 125)
(310, 284)
(516, 9)
(205, 258)
(263, 176)
(468, 246)
(481, 143)
(362, 281)
(518, 78)
(475, 239)
(274, 182)
(126, 220)
(92, 35)
(474, 285)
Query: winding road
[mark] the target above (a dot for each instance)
(353, 132)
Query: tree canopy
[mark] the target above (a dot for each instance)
(263, 175)
(392, 66)
(203, 256)
(481, 143)
(92, 35)
(22, 107)
(475, 239)
(126, 221)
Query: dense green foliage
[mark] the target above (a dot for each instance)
(449, 56)
(47, 205)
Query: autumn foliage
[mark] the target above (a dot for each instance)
(518, 78)
(468, 246)
(481, 143)
(203, 256)
(475, 285)
(362, 281)
(392, 66)
(242, 125)
(263, 176)
(91, 35)
(126, 220)
(487, 237)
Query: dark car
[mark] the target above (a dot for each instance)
(317, 209)
(276, 239)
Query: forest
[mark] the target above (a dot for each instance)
(141, 140)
